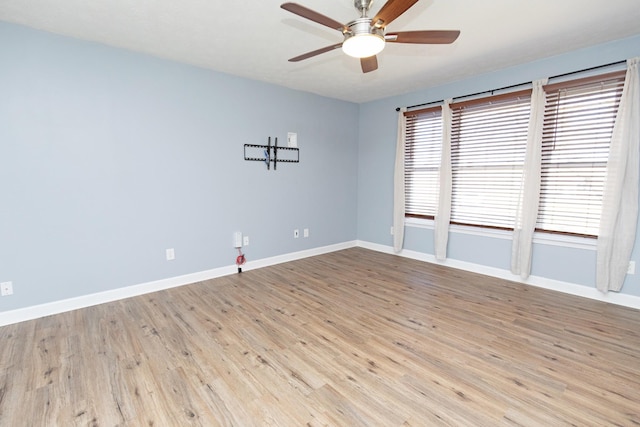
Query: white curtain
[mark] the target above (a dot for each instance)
(443, 215)
(398, 185)
(527, 211)
(620, 200)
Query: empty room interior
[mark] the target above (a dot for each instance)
(324, 213)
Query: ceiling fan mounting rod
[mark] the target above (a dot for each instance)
(362, 6)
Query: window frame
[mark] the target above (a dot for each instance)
(430, 113)
(541, 235)
(615, 82)
(495, 109)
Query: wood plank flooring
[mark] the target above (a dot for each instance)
(351, 338)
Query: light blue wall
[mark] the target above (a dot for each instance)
(109, 157)
(378, 126)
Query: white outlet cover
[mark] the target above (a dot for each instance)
(296, 233)
(6, 288)
(171, 254)
(305, 232)
(245, 241)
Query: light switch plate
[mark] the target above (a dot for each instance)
(292, 140)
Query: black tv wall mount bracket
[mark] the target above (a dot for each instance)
(269, 153)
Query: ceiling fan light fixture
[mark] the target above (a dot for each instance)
(361, 39)
(363, 45)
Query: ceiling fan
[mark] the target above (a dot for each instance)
(365, 37)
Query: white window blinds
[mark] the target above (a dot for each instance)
(578, 122)
(488, 144)
(422, 161)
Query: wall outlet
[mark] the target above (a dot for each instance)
(296, 233)
(305, 232)
(391, 231)
(6, 288)
(171, 254)
(245, 240)
(632, 267)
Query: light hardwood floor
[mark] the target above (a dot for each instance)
(351, 338)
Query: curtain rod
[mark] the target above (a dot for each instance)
(517, 85)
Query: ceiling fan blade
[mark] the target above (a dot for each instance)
(369, 64)
(312, 15)
(315, 52)
(390, 11)
(423, 37)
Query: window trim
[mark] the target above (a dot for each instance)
(555, 87)
(523, 93)
(539, 237)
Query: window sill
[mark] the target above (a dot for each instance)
(538, 238)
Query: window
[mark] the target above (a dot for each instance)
(578, 124)
(488, 144)
(423, 143)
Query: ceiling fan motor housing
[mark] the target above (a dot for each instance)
(361, 26)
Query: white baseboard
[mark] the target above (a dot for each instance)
(538, 281)
(37, 311)
(47, 309)
(279, 259)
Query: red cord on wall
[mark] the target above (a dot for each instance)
(240, 260)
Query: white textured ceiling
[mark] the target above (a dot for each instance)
(254, 38)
